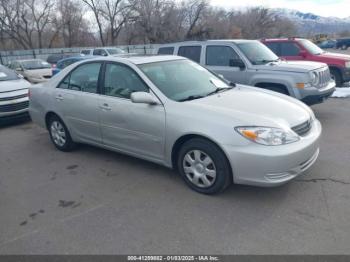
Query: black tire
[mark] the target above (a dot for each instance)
(337, 77)
(221, 165)
(68, 144)
(344, 47)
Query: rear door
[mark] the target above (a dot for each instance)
(134, 128)
(218, 59)
(77, 101)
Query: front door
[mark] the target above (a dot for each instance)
(218, 59)
(134, 128)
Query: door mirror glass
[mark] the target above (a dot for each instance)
(143, 98)
(237, 63)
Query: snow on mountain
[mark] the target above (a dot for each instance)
(311, 23)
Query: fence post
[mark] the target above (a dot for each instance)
(34, 55)
(1, 59)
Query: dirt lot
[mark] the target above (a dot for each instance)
(93, 201)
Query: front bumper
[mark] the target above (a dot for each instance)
(267, 166)
(345, 74)
(311, 96)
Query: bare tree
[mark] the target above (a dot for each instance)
(40, 12)
(194, 10)
(96, 8)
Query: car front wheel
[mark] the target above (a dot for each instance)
(204, 167)
(59, 135)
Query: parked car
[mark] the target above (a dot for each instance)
(328, 44)
(13, 95)
(102, 51)
(250, 62)
(68, 61)
(53, 59)
(33, 70)
(174, 112)
(343, 43)
(303, 49)
(87, 52)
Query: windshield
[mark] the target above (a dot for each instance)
(257, 53)
(115, 51)
(7, 74)
(182, 79)
(35, 64)
(311, 47)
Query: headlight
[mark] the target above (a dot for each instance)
(347, 64)
(269, 136)
(314, 79)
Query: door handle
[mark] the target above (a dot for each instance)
(105, 107)
(59, 97)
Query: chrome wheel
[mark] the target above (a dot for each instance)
(199, 168)
(58, 133)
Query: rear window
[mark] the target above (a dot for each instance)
(85, 52)
(166, 51)
(191, 52)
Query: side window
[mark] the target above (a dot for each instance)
(191, 52)
(275, 47)
(166, 51)
(220, 55)
(121, 81)
(97, 52)
(84, 78)
(289, 49)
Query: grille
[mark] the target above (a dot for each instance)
(14, 107)
(303, 128)
(13, 97)
(324, 77)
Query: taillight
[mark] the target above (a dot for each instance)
(53, 66)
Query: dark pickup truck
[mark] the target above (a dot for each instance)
(343, 43)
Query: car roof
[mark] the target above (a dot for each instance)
(237, 41)
(281, 39)
(141, 59)
(76, 57)
(27, 60)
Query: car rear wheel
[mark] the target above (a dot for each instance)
(336, 76)
(344, 47)
(204, 167)
(59, 135)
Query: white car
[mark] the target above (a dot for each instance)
(33, 70)
(14, 100)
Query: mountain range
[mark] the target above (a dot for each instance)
(309, 23)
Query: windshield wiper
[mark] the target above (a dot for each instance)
(219, 89)
(189, 98)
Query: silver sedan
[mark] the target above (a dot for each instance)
(174, 112)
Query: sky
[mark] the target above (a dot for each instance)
(337, 8)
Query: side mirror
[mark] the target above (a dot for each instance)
(303, 53)
(104, 54)
(143, 98)
(237, 63)
(19, 69)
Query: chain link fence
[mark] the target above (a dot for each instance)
(7, 56)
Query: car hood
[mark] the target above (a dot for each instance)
(335, 56)
(292, 66)
(253, 106)
(13, 85)
(38, 72)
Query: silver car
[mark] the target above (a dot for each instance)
(172, 111)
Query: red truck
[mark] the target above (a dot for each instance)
(303, 49)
